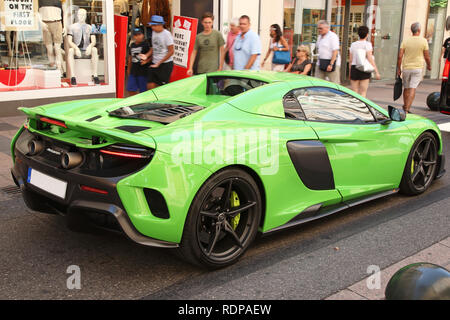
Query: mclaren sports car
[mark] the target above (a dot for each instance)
(204, 164)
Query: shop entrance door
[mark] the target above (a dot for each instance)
(346, 17)
(382, 17)
(195, 9)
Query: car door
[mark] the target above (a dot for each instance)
(367, 155)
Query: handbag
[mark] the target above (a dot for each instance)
(324, 63)
(398, 88)
(281, 57)
(227, 54)
(362, 64)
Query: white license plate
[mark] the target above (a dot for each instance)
(51, 185)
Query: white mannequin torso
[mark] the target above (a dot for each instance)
(80, 31)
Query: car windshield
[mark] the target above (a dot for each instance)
(162, 112)
(231, 86)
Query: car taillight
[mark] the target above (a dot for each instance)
(127, 152)
(124, 154)
(53, 121)
(446, 70)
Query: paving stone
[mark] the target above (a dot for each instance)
(437, 254)
(346, 295)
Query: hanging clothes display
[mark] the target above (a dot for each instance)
(96, 12)
(136, 13)
(158, 7)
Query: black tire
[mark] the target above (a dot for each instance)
(433, 101)
(421, 166)
(214, 235)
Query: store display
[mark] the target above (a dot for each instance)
(50, 12)
(121, 7)
(66, 46)
(82, 46)
(136, 13)
(156, 7)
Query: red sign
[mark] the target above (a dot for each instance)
(120, 42)
(184, 34)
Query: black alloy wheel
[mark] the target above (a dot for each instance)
(223, 220)
(421, 166)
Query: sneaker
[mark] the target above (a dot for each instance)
(96, 80)
(73, 81)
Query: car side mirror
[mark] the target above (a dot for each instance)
(396, 114)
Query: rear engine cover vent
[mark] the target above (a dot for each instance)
(132, 129)
(164, 113)
(93, 118)
(170, 114)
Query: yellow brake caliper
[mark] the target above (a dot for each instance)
(412, 166)
(235, 203)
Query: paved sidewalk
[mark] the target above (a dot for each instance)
(8, 128)
(438, 253)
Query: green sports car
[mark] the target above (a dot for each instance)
(205, 163)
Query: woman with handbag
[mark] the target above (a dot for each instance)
(363, 63)
(279, 47)
(231, 38)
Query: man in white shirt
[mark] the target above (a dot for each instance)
(328, 49)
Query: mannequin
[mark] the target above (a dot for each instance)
(121, 7)
(96, 12)
(136, 13)
(50, 12)
(82, 45)
(12, 51)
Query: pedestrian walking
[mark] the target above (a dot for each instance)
(160, 54)
(209, 51)
(413, 52)
(302, 63)
(278, 46)
(137, 72)
(362, 62)
(231, 39)
(247, 47)
(328, 50)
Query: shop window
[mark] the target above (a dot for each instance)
(435, 35)
(52, 44)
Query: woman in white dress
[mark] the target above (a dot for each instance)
(277, 43)
(359, 80)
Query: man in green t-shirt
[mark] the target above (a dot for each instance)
(209, 48)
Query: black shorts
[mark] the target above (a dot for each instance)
(356, 74)
(160, 75)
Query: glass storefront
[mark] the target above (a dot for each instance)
(54, 44)
(300, 21)
(435, 35)
(385, 24)
(383, 17)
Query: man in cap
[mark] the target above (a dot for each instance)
(160, 55)
(137, 73)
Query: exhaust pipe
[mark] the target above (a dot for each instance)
(35, 147)
(70, 160)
